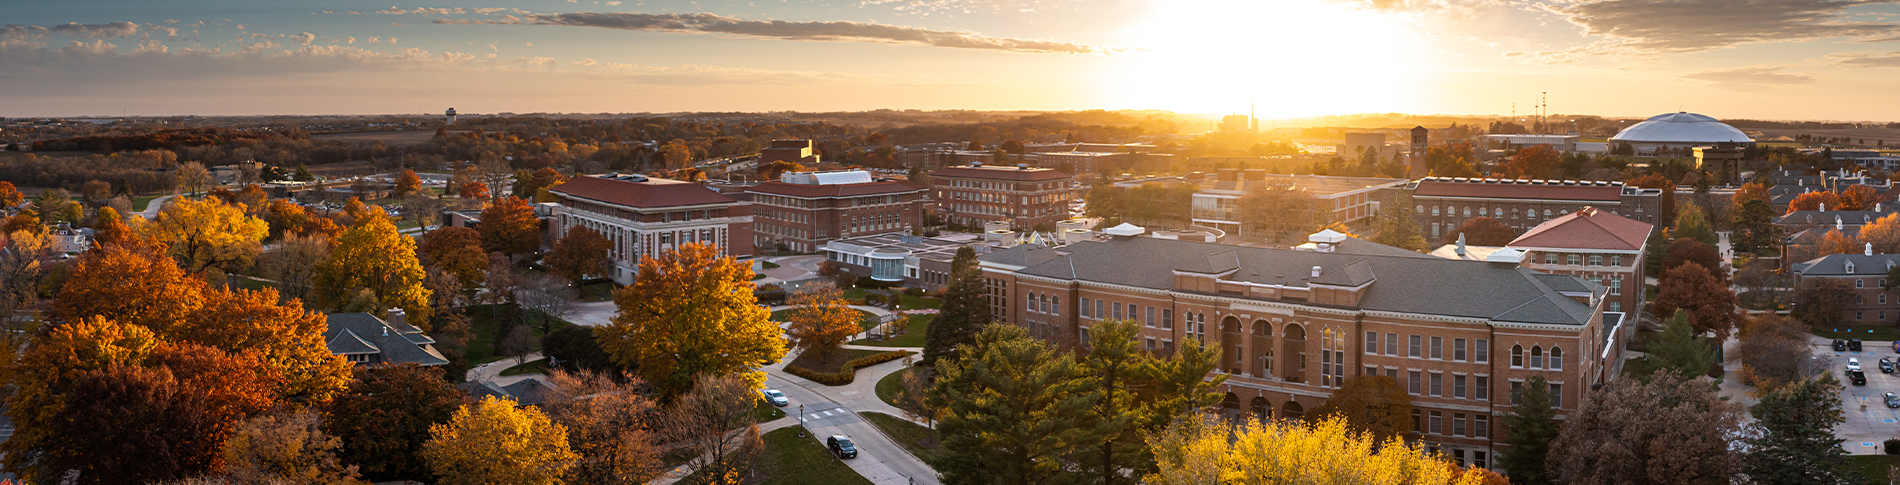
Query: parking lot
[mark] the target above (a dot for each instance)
(1869, 420)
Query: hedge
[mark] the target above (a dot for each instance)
(850, 371)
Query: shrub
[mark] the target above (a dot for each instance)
(867, 282)
(769, 265)
(1892, 446)
(914, 291)
(849, 372)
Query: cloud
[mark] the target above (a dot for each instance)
(1640, 28)
(1866, 59)
(304, 38)
(831, 31)
(1749, 78)
(89, 31)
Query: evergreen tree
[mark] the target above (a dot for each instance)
(1533, 425)
(965, 311)
(1693, 222)
(1395, 226)
(1112, 367)
(1014, 410)
(1755, 223)
(1678, 349)
(1794, 442)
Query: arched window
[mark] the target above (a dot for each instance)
(1434, 209)
(1467, 212)
(1421, 208)
(1030, 301)
(1483, 213)
(1055, 305)
(1537, 357)
(1517, 356)
(1546, 213)
(1044, 299)
(1556, 358)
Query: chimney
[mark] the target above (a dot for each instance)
(1837, 223)
(1315, 271)
(396, 317)
(1461, 244)
(1824, 208)
(1870, 249)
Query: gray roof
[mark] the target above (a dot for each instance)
(1412, 283)
(1847, 218)
(1836, 265)
(391, 345)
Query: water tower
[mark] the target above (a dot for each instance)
(451, 116)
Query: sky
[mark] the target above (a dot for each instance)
(1762, 59)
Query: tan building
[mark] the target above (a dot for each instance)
(646, 216)
(1459, 336)
(1024, 196)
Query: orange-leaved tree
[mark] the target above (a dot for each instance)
(473, 190)
(580, 254)
(1835, 243)
(457, 250)
(1748, 192)
(206, 234)
(690, 312)
(510, 227)
(109, 228)
(822, 322)
(1813, 201)
(1710, 303)
(1859, 198)
(373, 256)
(408, 183)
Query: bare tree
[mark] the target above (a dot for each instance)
(495, 173)
(293, 264)
(193, 177)
(914, 397)
(1670, 430)
(715, 421)
(609, 422)
(548, 295)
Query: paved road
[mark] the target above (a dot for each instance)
(833, 410)
(152, 207)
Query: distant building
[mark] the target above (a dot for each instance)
(1025, 197)
(1676, 134)
(794, 151)
(1345, 200)
(1237, 124)
(1868, 301)
(1421, 138)
(803, 210)
(450, 117)
(1442, 204)
(367, 340)
(1561, 143)
(646, 216)
(1357, 143)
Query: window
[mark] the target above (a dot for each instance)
(1372, 342)
(1596, 260)
(1085, 309)
(1556, 395)
(1556, 358)
(1517, 389)
(1458, 349)
(1458, 387)
(1438, 347)
(1482, 391)
(1151, 344)
(1883, 298)
(1085, 337)
(1167, 318)
(1860, 283)
(1438, 384)
(1483, 351)
(1616, 285)
(1517, 356)
(1372, 370)
(1418, 421)
(1392, 373)
(1437, 422)
(1412, 385)
(1391, 344)
(1031, 297)
(1055, 305)
(1573, 259)
(1537, 357)
(1118, 310)
(1148, 316)
(1550, 258)
(1616, 260)
(1480, 428)
(1412, 350)
(1458, 425)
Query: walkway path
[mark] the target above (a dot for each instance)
(832, 410)
(492, 370)
(152, 207)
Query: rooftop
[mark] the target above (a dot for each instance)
(1682, 127)
(639, 191)
(393, 342)
(1578, 190)
(1587, 228)
(1018, 174)
(1321, 186)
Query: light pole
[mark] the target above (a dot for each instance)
(801, 421)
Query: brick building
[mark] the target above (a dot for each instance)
(795, 151)
(1868, 300)
(1345, 200)
(1442, 204)
(645, 216)
(1459, 336)
(1027, 197)
(1605, 248)
(803, 210)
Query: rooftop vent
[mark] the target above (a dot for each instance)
(1315, 271)
(1022, 166)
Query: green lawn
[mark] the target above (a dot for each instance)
(1863, 332)
(921, 441)
(766, 412)
(139, 203)
(890, 386)
(536, 367)
(598, 291)
(909, 302)
(1873, 468)
(248, 283)
(865, 319)
(790, 459)
(913, 334)
(481, 349)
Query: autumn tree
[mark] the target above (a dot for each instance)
(473, 190)
(373, 256)
(207, 234)
(690, 312)
(1199, 449)
(1883, 233)
(580, 254)
(193, 177)
(609, 424)
(132, 285)
(1774, 351)
(10, 196)
(715, 422)
(408, 183)
(1749, 191)
(284, 336)
(1693, 222)
(528, 183)
(1012, 409)
(109, 228)
(1532, 426)
(292, 263)
(47, 369)
(494, 441)
(509, 227)
(1533, 162)
(23, 257)
(1792, 440)
(1483, 231)
(1833, 242)
(772, 171)
(1395, 227)
(1370, 404)
(288, 448)
(384, 418)
(288, 219)
(1755, 229)
(1814, 201)
(822, 321)
(1669, 430)
(457, 250)
(1710, 302)
(965, 311)
(1859, 198)
(1688, 250)
(1821, 301)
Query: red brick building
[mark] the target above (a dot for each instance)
(645, 216)
(1027, 197)
(1459, 336)
(1605, 248)
(803, 210)
(1868, 300)
(1442, 204)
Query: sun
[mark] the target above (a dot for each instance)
(1289, 57)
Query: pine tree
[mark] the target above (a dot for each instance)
(965, 311)
(1678, 349)
(1395, 226)
(1014, 409)
(1111, 368)
(1533, 425)
(1794, 441)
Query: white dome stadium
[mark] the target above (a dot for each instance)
(1681, 128)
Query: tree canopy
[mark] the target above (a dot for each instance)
(690, 312)
(373, 256)
(494, 441)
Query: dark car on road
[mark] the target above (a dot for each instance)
(1886, 365)
(841, 446)
(1893, 401)
(1853, 345)
(1859, 378)
(1840, 345)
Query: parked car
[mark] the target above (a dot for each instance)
(1853, 345)
(1886, 365)
(1896, 346)
(776, 398)
(1853, 363)
(1841, 345)
(1893, 400)
(1859, 378)
(841, 446)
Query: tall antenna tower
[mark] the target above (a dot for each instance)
(1543, 111)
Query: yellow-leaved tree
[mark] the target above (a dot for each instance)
(494, 441)
(207, 233)
(1201, 449)
(823, 321)
(690, 312)
(372, 255)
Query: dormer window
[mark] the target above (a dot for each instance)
(1850, 267)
